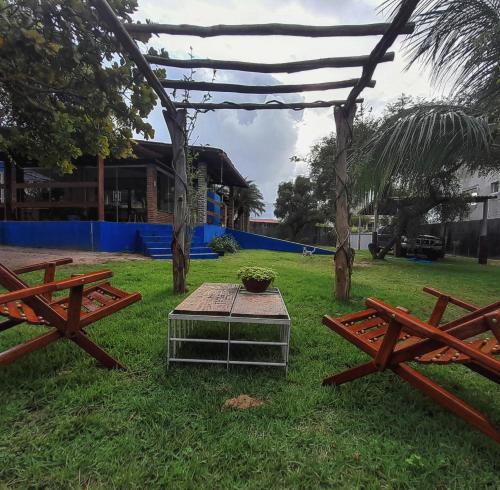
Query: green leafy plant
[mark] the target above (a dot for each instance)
(224, 243)
(257, 273)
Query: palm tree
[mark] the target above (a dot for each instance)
(458, 38)
(247, 201)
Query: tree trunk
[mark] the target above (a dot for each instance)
(343, 255)
(180, 239)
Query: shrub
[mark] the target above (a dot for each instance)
(257, 273)
(224, 243)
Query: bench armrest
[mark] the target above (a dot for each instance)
(454, 301)
(43, 265)
(50, 287)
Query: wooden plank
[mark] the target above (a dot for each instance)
(273, 29)
(261, 89)
(260, 305)
(210, 299)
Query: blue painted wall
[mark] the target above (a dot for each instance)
(49, 234)
(102, 236)
(252, 240)
(106, 236)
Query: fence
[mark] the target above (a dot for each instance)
(462, 238)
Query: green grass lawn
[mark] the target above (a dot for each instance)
(66, 423)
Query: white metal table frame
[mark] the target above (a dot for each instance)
(181, 325)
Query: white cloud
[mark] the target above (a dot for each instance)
(261, 143)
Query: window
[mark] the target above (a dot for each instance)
(494, 186)
(165, 192)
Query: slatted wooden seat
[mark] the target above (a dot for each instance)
(66, 316)
(393, 337)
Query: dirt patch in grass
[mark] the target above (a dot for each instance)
(14, 257)
(242, 402)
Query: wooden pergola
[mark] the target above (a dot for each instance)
(344, 110)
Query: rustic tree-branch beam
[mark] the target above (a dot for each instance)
(130, 47)
(397, 27)
(260, 89)
(287, 67)
(267, 30)
(298, 106)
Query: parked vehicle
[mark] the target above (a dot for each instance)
(428, 245)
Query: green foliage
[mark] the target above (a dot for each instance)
(425, 139)
(65, 87)
(460, 41)
(224, 243)
(248, 200)
(257, 273)
(296, 205)
(322, 166)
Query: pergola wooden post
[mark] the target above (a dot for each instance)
(180, 255)
(175, 120)
(344, 109)
(344, 118)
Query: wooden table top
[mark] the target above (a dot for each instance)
(222, 299)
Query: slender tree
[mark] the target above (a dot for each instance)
(247, 201)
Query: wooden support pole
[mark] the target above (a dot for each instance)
(261, 89)
(100, 188)
(180, 253)
(10, 181)
(344, 118)
(272, 105)
(267, 30)
(287, 67)
(483, 236)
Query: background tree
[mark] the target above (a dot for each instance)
(65, 87)
(420, 141)
(296, 205)
(319, 160)
(247, 201)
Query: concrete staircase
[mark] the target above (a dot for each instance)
(158, 247)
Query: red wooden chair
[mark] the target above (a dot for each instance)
(89, 300)
(393, 337)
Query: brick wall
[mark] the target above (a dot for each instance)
(153, 214)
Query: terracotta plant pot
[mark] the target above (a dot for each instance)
(255, 286)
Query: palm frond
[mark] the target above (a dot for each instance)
(460, 41)
(422, 141)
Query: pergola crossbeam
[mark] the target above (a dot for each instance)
(260, 89)
(287, 67)
(267, 30)
(397, 27)
(297, 106)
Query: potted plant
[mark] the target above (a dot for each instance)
(257, 279)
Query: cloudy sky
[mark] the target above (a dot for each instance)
(260, 143)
